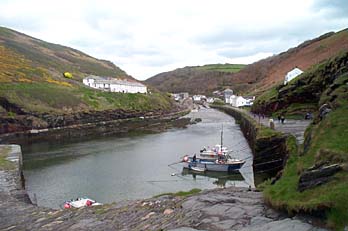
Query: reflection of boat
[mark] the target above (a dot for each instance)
(221, 177)
(80, 202)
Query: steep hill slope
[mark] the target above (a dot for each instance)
(259, 76)
(199, 79)
(52, 58)
(32, 84)
(306, 184)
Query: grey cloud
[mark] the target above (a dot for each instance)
(334, 8)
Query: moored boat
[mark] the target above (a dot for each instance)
(223, 165)
(213, 153)
(80, 202)
(215, 159)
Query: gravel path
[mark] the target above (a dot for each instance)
(290, 126)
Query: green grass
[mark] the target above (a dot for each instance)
(180, 193)
(4, 163)
(229, 68)
(329, 143)
(46, 97)
(266, 132)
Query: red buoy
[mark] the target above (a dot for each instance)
(186, 158)
(88, 203)
(67, 206)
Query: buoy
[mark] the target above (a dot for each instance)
(67, 206)
(173, 174)
(186, 158)
(67, 75)
(88, 203)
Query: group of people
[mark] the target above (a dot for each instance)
(281, 119)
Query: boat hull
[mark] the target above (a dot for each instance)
(213, 166)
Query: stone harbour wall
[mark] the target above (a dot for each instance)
(269, 152)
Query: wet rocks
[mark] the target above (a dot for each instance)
(316, 176)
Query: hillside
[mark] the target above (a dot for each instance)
(306, 185)
(198, 79)
(259, 76)
(32, 83)
(33, 57)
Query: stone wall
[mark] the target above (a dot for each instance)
(269, 152)
(12, 179)
(98, 127)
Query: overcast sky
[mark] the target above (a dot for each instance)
(145, 38)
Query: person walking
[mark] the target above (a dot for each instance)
(282, 118)
(271, 123)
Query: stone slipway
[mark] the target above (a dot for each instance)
(218, 209)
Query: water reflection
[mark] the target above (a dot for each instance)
(220, 179)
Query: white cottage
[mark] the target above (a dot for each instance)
(238, 101)
(198, 98)
(114, 85)
(292, 75)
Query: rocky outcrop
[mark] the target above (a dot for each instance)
(315, 176)
(27, 121)
(313, 88)
(88, 124)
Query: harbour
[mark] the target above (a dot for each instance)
(132, 166)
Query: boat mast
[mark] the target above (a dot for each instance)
(222, 133)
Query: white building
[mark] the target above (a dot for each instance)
(114, 85)
(210, 100)
(238, 101)
(227, 95)
(180, 96)
(249, 101)
(198, 98)
(292, 75)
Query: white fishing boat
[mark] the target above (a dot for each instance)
(227, 165)
(214, 159)
(80, 202)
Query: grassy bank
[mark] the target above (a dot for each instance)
(328, 144)
(180, 193)
(229, 68)
(51, 97)
(4, 163)
(325, 143)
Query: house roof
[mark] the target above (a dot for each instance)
(109, 80)
(294, 72)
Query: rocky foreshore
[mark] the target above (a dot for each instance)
(218, 209)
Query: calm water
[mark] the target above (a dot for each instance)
(111, 169)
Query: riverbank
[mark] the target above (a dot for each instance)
(218, 209)
(102, 124)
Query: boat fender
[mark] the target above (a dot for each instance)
(88, 203)
(67, 206)
(186, 158)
